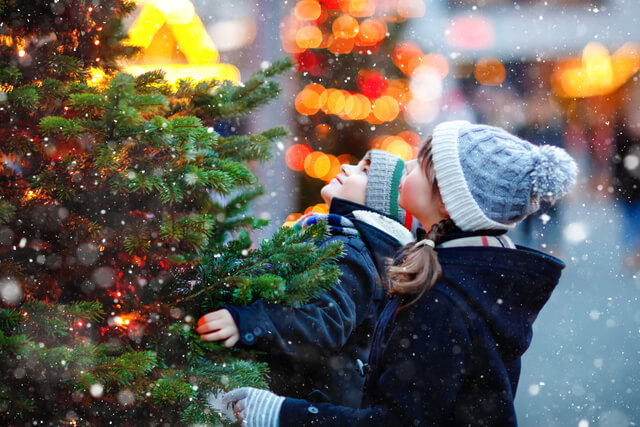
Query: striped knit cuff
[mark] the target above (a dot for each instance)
(263, 408)
(457, 198)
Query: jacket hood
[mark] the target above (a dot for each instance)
(507, 288)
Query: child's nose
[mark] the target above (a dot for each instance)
(410, 165)
(346, 169)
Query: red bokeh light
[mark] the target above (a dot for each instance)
(295, 155)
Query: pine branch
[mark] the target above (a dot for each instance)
(7, 211)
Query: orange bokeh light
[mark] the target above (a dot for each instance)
(309, 37)
(412, 138)
(335, 101)
(347, 159)
(288, 31)
(407, 56)
(317, 164)
(334, 168)
(311, 99)
(438, 63)
(308, 10)
(372, 31)
(386, 108)
(295, 155)
(319, 208)
(357, 107)
(399, 147)
(345, 27)
(322, 130)
(490, 72)
(340, 46)
(359, 8)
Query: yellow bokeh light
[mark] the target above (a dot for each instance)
(386, 108)
(596, 63)
(97, 76)
(597, 72)
(310, 164)
(335, 101)
(334, 168)
(321, 166)
(398, 146)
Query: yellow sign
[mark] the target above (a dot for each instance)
(170, 32)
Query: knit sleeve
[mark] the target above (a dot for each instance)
(325, 322)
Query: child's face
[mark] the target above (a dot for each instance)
(350, 184)
(419, 196)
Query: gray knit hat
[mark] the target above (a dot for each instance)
(490, 179)
(385, 173)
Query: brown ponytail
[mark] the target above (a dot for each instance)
(418, 267)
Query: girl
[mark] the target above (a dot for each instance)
(315, 346)
(446, 348)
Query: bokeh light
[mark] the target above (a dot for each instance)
(308, 10)
(288, 32)
(345, 27)
(399, 147)
(317, 164)
(407, 56)
(359, 8)
(371, 83)
(470, 33)
(295, 155)
(311, 99)
(309, 37)
(437, 62)
(322, 208)
(386, 108)
(372, 31)
(336, 101)
(340, 46)
(334, 168)
(489, 72)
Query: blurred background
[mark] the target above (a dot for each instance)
(382, 73)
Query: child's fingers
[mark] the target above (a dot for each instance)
(221, 334)
(214, 315)
(232, 340)
(209, 327)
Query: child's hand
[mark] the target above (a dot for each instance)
(218, 326)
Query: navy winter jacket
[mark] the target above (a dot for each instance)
(453, 357)
(315, 346)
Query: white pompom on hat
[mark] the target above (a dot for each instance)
(490, 179)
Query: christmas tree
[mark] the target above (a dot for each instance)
(124, 216)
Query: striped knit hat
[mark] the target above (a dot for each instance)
(490, 179)
(385, 173)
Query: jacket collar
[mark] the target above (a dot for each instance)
(382, 242)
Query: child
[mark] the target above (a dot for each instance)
(446, 348)
(316, 345)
